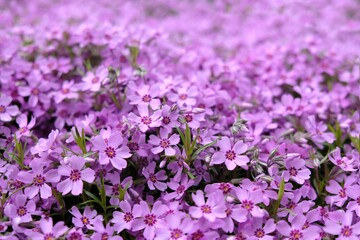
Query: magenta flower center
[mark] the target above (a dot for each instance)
(295, 234)
(197, 235)
(164, 143)
(21, 211)
(49, 236)
(65, 90)
(146, 98)
(293, 172)
(2, 109)
(104, 236)
(150, 219)
(35, 91)
(228, 211)
(188, 118)
(183, 96)
(180, 189)
(291, 205)
(23, 130)
(75, 236)
(133, 146)
(225, 187)
(206, 209)
(95, 80)
(248, 205)
(176, 233)
(146, 120)
(115, 189)
(85, 220)
(75, 175)
(342, 193)
(306, 225)
(358, 201)
(128, 217)
(39, 180)
(230, 155)
(259, 233)
(346, 231)
(110, 152)
(153, 178)
(166, 120)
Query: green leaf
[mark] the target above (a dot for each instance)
(280, 196)
(181, 135)
(96, 199)
(202, 148)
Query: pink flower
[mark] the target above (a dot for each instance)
(145, 95)
(93, 81)
(147, 219)
(21, 210)
(6, 111)
(212, 209)
(75, 176)
(48, 230)
(343, 162)
(154, 179)
(145, 121)
(296, 170)
(38, 179)
(231, 154)
(24, 126)
(87, 219)
(248, 201)
(123, 220)
(343, 226)
(110, 150)
(164, 143)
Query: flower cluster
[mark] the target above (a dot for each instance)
(179, 120)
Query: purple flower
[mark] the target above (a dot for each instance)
(87, 219)
(258, 229)
(212, 209)
(318, 132)
(145, 121)
(123, 220)
(296, 230)
(354, 194)
(75, 176)
(20, 210)
(169, 118)
(102, 232)
(176, 228)
(154, 179)
(231, 155)
(6, 111)
(48, 230)
(343, 226)
(38, 179)
(164, 143)
(233, 213)
(343, 162)
(184, 96)
(296, 170)
(178, 187)
(248, 201)
(93, 81)
(145, 95)
(109, 150)
(147, 219)
(341, 192)
(24, 126)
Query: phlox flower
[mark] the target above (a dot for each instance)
(110, 150)
(7, 111)
(145, 121)
(75, 175)
(20, 210)
(24, 126)
(87, 219)
(48, 230)
(148, 219)
(231, 154)
(154, 180)
(38, 179)
(164, 143)
(213, 208)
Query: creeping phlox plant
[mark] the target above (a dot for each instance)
(179, 119)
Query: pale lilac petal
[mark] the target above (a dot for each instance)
(88, 175)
